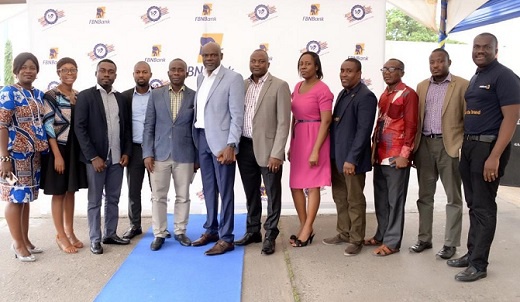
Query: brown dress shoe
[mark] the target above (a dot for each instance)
(205, 239)
(220, 248)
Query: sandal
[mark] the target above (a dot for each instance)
(74, 240)
(372, 241)
(70, 249)
(384, 250)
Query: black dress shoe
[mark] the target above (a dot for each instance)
(420, 246)
(249, 238)
(132, 232)
(168, 234)
(459, 262)
(157, 243)
(447, 252)
(96, 248)
(470, 274)
(268, 246)
(183, 239)
(114, 239)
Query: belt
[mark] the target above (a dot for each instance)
(433, 135)
(308, 121)
(480, 138)
(245, 138)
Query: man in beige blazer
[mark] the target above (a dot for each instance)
(267, 117)
(437, 143)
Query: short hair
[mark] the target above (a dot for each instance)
(21, 59)
(443, 51)
(107, 61)
(65, 60)
(317, 62)
(492, 36)
(179, 60)
(401, 64)
(262, 50)
(356, 62)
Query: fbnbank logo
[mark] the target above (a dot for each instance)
(262, 12)
(315, 46)
(155, 14)
(207, 8)
(101, 51)
(52, 17)
(265, 47)
(155, 83)
(53, 56)
(100, 16)
(156, 55)
(52, 85)
(207, 38)
(313, 14)
(358, 13)
(359, 50)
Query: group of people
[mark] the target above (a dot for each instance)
(450, 128)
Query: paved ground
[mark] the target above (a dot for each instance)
(313, 273)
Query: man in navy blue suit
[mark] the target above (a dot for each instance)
(353, 121)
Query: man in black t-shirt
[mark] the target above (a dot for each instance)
(492, 111)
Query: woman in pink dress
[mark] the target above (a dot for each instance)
(309, 153)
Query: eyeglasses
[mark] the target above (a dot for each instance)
(66, 70)
(390, 69)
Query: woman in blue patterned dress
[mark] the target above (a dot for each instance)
(22, 139)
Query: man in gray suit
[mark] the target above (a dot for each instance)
(169, 152)
(219, 117)
(267, 118)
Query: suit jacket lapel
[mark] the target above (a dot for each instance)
(263, 91)
(101, 106)
(447, 98)
(167, 102)
(422, 102)
(219, 78)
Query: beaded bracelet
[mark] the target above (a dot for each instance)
(5, 159)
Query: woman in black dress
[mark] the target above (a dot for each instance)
(62, 172)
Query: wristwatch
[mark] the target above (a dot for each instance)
(232, 145)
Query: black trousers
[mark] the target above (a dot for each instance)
(252, 174)
(135, 176)
(480, 198)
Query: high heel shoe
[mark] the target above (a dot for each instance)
(299, 243)
(293, 239)
(35, 250)
(29, 258)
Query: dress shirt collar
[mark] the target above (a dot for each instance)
(170, 88)
(98, 87)
(447, 79)
(214, 73)
(260, 81)
(149, 90)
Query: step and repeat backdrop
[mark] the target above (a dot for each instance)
(159, 31)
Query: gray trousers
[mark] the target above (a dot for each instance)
(390, 190)
(110, 180)
(432, 161)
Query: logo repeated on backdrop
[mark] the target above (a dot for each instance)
(358, 13)
(205, 39)
(265, 47)
(51, 17)
(53, 56)
(101, 51)
(155, 55)
(262, 12)
(207, 8)
(155, 14)
(315, 46)
(101, 11)
(52, 84)
(154, 83)
(367, 81)
(313, 14)
(359, 50)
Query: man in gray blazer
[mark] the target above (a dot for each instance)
(219, 117)
(267, 118)
(169, 152)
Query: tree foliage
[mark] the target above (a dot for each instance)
(8, 64)
(400, 27)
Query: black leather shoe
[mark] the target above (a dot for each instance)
(157, 243)
(183, 239)
(459, 262)
(168, 234)
(420, 246)
(249, 238)
(268, 246)
(96, 248)
(470, 274)
(114, 239)
(132, 232)
(446, 252)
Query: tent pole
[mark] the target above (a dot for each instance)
(442, 26)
